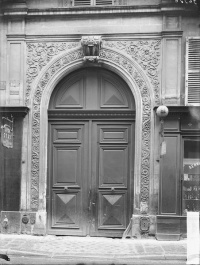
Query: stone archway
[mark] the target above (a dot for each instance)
(39, 95)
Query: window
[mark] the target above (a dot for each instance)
(192, 85)
(191, 175)
(93, 2)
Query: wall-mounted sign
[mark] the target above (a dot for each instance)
(7, 132)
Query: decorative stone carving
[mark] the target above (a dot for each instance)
(39, 55)
(144, 224)
(147, 54)
(91, 47)
(115, 58)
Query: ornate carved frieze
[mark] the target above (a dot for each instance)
(147, 54)
(91, 48)
(40, 54)
(116, 59)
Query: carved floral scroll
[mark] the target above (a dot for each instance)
(147, 54)
(40, 54)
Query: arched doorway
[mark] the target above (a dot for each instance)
(91, 155)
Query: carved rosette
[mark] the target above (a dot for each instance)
(39, 55)
(115, 58)
(147, 54)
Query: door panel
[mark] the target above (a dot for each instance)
(67, 164)
(112, 210)
(112, 164)
(68, 179)
(66, 209)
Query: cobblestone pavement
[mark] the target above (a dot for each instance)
(91, 249)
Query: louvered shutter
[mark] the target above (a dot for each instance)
(104, 2)
(193, 71)
(92, 2)
(82, 2)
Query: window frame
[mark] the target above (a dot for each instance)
(192, 135)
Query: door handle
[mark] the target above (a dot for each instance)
(91, 204)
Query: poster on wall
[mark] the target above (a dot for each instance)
(7, 132)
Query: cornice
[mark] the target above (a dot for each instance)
(90, 114)
(178, 33)
(99, 10)
(14, 110)
(77, 37)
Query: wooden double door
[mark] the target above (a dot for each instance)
(90, 189)
(90, 177)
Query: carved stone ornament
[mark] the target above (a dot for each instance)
(144, 224)
(116, 59)
(40, 54)
(147, 54)
(91, 48)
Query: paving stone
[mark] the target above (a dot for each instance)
(174, 249)
(104, 248)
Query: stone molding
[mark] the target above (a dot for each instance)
(147, 54)
(109, 55)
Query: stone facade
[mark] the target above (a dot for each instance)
(142, 41)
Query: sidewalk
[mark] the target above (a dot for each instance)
(89, 250)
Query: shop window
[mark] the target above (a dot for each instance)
(192, 75)
(93, 2)
(191, 175)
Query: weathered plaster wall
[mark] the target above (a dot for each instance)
(94, 25)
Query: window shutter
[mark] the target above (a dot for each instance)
(82, 2)
(92, 2)
(192, 71)
(104, 2)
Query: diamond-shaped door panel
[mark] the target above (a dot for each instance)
(112, 210)
(66, 209)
